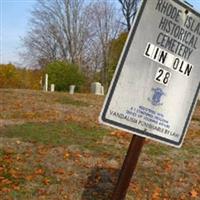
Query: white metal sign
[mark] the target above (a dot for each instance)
(156, 83)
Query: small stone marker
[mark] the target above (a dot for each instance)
(52, 87)
(41, 85)
(97, 88)
(46, 83)
(102, 90)
(71, 89)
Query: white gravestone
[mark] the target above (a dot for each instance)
(52, 87)
(71, 89)
(102, 90)
(97, 88)
(46, 82)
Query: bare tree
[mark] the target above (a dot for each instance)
(129, 9)
(58, 31)
(104, 27)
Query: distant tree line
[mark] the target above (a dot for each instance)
(13, 77)
(88, 34)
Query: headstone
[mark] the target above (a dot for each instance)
(71, 89)
(41, 85)
(97, 88)
(46, 82)
(102, 90)
(52, 87)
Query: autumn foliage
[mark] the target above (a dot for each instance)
(13, 77)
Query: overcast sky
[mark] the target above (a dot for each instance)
(14, 17)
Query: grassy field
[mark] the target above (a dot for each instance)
(52, 147)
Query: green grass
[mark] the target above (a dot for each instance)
(57, 134)
(156, 149)
(71, 101)
(2, 153)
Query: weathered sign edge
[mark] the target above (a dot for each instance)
(102, 117)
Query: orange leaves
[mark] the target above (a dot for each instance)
(41, 192)
(46, 181)
(59, 171)
(42, 151)
(8, 159)
(167, 166)
(5, 181)
(39, 171)
(193, 193)
(16, 187)
(5, 190)
(66, 155)
(14, 173)
(29, 177)
(1, 169)
(156, 194)
(119, 134)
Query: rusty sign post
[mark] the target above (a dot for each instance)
(128, 167)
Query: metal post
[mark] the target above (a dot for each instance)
(128, 167)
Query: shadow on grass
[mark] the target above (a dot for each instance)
(100, 184)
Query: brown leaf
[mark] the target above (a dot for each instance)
(14, 173)
(46, 181)
(5, 190)
(59, 171)
(39, 171)
(16, 187)
(29, 178)
(18, 142)
(1, 169)
(167, 167)
(156, 194)
(66, 155)
(6, 181)
(42, 191)
(194, 193)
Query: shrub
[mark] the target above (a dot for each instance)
(64, 74)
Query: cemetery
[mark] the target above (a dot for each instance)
(92, 107)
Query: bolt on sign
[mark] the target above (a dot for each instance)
(156, 83)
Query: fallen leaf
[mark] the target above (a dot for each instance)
(46, 181)
(14, 173)
(194, 193)
(42, 192)
(29, 178)
(167, 167)
(39, 171)
(18, 142)
(6, 190)
(59, 171)
(1, 169)
(6, 181)
(156, 194)
(66, 155)
(16, 187)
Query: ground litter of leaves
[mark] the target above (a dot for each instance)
(52, 147)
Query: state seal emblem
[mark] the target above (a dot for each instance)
(156, 97)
